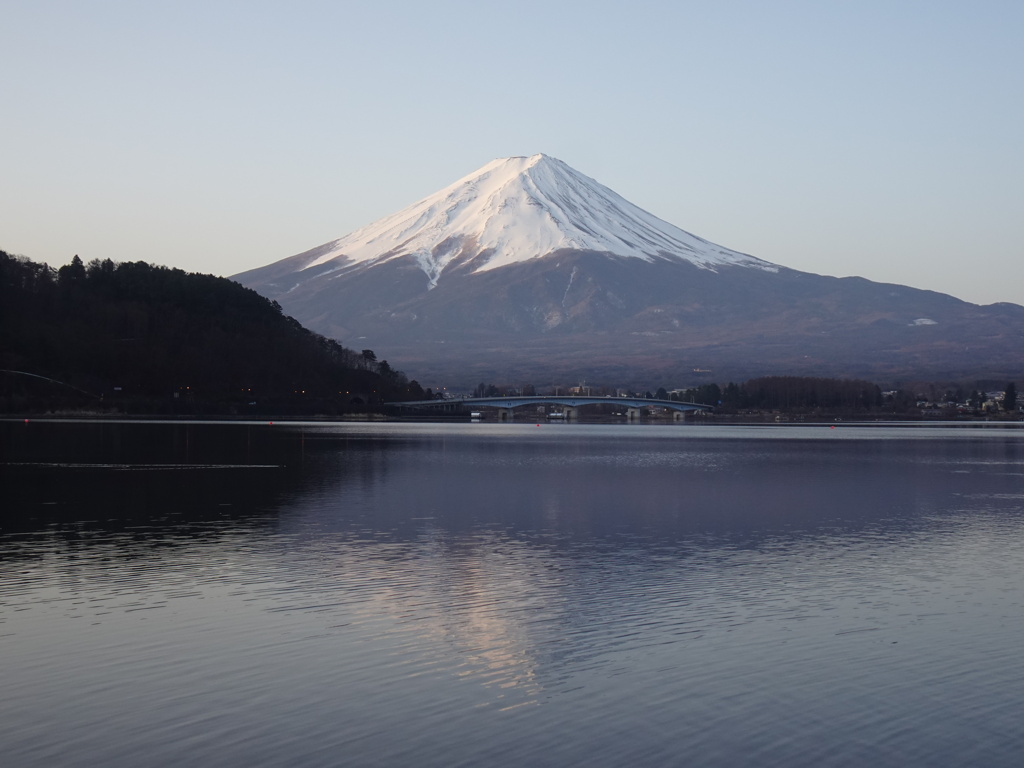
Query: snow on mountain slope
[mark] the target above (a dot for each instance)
(515, 209)
(457, 288)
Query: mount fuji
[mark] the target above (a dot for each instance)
(527, 271)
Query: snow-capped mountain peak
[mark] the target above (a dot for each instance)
(519, 208)
(527, 270)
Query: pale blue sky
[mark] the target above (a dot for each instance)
(882, 139)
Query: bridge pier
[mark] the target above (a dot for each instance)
(504, 414)
(678, 415)
(632, 414)
(570, 413)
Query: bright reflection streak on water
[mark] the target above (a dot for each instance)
(509, 595)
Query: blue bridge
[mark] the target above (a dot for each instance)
(569, 404)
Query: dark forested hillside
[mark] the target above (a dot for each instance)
(142, 338)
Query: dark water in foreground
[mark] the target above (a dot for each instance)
(472, 594)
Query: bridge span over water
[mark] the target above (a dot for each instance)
(569, 404)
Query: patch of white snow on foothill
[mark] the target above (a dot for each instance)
(572, 277)
(924, 321)
(521, 208)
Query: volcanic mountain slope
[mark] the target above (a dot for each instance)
(528, 271)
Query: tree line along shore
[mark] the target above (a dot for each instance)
(132, 338)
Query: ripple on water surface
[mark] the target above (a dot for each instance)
(435, 601)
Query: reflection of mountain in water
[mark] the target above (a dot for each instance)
(589, 538)
(478, 595)
(583, 492)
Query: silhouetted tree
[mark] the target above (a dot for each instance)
(154, 339)
(732, 397)
(72, 273)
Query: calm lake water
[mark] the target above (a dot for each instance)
(511, 595)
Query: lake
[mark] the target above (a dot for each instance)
(511, 594)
